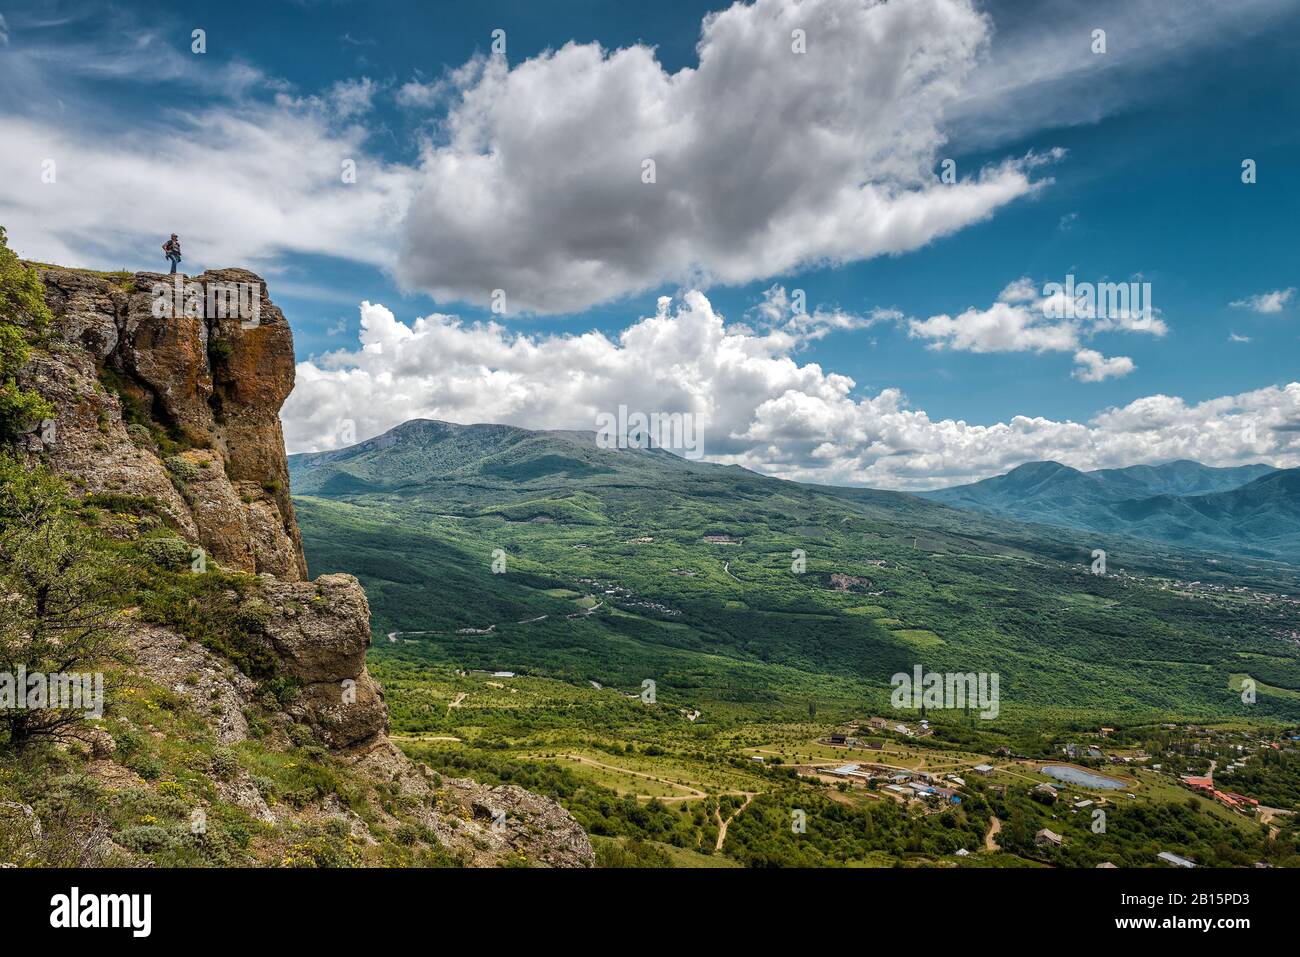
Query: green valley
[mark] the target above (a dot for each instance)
(630, 632)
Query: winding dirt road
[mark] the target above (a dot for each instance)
(722, 825)
(995, 828)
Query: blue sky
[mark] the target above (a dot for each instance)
(1117, 166)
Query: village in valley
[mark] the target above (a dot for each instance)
(888, 759)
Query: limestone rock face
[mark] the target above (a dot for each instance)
(87, 440)
(184, 408)
(213, 384)
(320, 631)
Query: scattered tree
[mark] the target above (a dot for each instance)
(56, 586)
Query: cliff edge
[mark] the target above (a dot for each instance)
(166, 417)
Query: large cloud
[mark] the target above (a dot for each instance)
(766, 159)
(758, 406)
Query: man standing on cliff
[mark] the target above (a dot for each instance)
(172, 249)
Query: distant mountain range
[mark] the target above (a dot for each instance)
(1249, 510)
(730, 586)
(425, 458)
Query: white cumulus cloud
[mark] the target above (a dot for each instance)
(526, 177)
(1022, 320)
(765, 159)
(1092, 366)
(757, 405)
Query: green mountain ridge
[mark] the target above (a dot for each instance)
(423, 450)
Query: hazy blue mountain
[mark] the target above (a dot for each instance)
(1248, 510)
(1181, 477)
(1260, 517)
(465, 467)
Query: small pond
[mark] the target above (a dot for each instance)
(1081, 778)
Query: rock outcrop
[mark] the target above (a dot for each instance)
(181, 407)
(213, 386)
(320, 631)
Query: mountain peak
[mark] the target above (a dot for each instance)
(1044, 469)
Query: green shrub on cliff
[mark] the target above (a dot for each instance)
(23, 314)
(22, 297)
(167, 551)
(218, 609)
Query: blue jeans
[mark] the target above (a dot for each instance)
(174, 259)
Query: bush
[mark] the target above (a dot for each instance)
(145, 838)
(22, 296)
(205, 608)
(253, 615)
(23, 316)
(284, 690)
(146, 765)
(141, 437)
(170, 552)
(223, 764)
(181, 468)
(60, 589)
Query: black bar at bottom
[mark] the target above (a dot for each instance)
(334, 907)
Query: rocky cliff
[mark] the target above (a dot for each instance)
(212, 387)
(178, 406)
